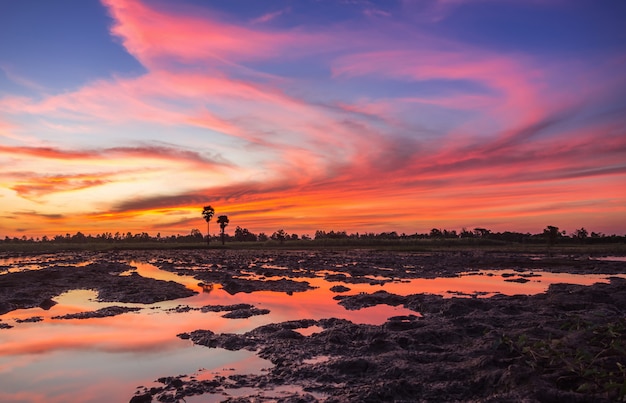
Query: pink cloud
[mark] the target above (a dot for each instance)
(153, 35)
(516, 86)
(434, 11)
(17, 78)
(271, 16)
(8, 130)
(375, 12)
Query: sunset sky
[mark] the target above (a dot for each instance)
(355, 115)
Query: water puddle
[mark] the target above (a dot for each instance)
(89, 375)
(612, 258)
(45, 358)
(151, 271)
(26, 263)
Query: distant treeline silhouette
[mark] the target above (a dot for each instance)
(550, 235)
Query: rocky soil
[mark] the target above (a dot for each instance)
(568, 344)
(565, 345)
(28, 289)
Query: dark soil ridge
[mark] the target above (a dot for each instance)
(29, 289)
(235, 311)
(359, 266)
(248, 271)
(100, 313)
(568, 344)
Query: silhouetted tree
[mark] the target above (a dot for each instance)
(195, 233)
(243, 235)
(279, 235)
(450, 233)
(551, 233)
(223, 222)
(79, 237)
(207, 213)
(436, 233)
(581, 234)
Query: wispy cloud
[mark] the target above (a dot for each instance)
(18, 79)
(375, 12)
(271, 16)
(147, 34)
(152, 152)
(37, 185)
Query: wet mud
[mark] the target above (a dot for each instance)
(28, 289)
(567, 344)
(100, 313)
(236, 311)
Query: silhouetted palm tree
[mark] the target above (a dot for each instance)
(207, 213)
(223, 221)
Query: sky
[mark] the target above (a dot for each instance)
(354, 115)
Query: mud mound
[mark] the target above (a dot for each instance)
(564, 345)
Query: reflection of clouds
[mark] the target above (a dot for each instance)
(17, 361)
(28, 396)
(58, 356)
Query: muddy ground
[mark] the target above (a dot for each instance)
(568, 344)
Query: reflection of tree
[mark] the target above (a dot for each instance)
(223, 222)
(206, 288)
(207, 213)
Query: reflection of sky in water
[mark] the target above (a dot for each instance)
(612, 258)
(99, 376)
(25, 263)
(59, 360)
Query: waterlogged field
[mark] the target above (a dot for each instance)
(102, 327)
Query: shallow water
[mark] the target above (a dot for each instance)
(106, 359)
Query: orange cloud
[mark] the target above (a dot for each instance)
(51, 184)
(152, 152)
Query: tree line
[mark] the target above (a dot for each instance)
(550, 235)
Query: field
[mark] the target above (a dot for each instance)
(427, 322)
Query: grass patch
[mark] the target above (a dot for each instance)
(591, 359)
(393, 245)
